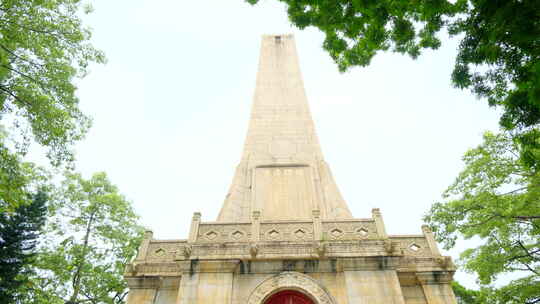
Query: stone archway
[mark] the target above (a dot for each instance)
(290, 281)
(288, 297)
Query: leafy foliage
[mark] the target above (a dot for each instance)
(43, 48)
(495, 198)
(13, 180)
(91, 234)
(467, 296)
(498, 57)
(18, 180)
(19, 231)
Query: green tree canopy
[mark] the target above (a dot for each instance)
(19, 180)
(43, 48)
(468, 296)
(19, 232)
(498, 56)
(91, 234)
(496, 198)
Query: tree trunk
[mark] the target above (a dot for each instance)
(80, 263)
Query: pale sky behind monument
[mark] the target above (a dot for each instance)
(171, 110)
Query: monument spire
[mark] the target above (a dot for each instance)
(282, 173)
(284, 234)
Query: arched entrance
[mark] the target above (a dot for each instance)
(288, 297)
(307, 290)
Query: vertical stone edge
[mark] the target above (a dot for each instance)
(436, 287)
(206, 282)
(379, 223)
(255, 226)
(143, 248)
(373, 287)
(317, 225)
(194, 228)
(428, 234)
(142, 290)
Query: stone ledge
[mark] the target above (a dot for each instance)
(305, 265)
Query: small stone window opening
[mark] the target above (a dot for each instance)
(362, 232)
(278, 39)
(414, 247)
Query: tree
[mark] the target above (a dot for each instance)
(43, 48)
(496, 199)
(498, 57)
(19, 231)
(467, 296)
(91, 234)
(13, 178)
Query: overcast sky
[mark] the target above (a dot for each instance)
(172, 104)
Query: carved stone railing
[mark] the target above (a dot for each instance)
(357, 229)
(287, 239)
(223, 232)
(164, 250)
(414, 245)
(342, 242)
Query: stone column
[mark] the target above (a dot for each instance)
(379, 223)
(317, 225)
(194, 229)
(143, 248)
(142, 290)
(168, 290)
(431, 240)
(372, 281)
(255, 226)
(206, 282)
(436, 287)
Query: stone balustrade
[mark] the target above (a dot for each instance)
(286, 239)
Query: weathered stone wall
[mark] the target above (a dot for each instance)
(374, 280)
(332, 261)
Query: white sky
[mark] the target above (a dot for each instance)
(171, 109)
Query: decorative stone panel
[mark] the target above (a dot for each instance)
(300, 231)
(412, 245)
(163, 250)
(212, 233)
(349, 230)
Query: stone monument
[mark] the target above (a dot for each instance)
(284, 234)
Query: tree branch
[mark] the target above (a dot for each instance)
(32, 29)
(76, 281)
(21, 58)
(528, 253)
(40, 83)
(10, 93)
(527, 217)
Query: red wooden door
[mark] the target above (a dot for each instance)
(288, 297)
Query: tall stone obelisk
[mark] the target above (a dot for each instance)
(284, 234)
(282, 173)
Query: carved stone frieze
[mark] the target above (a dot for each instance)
(412, 245)
(168, 251)
(445, 261)
(320, 249)
(392, 247)
(163, 250)
(220, 232)
(291, 280)
(424, 264)
(253, 250)
(187, 251)
(286, 231)
(349, 230)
